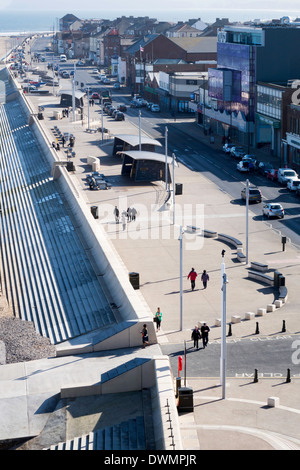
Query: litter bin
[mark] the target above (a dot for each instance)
(134, 279)
(40, 116)
(70, 166)
(185, 399)
(277, 274)
(94, 211)
(178, 188)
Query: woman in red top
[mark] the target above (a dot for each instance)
(192, 276)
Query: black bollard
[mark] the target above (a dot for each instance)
(283, 327)
(255, 376)
(288, 377)
(257, 329)
(229, 331)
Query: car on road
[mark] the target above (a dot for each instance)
(155, 108)
(119, 116)
(106, 80)
(111, 110)
(80, 63)
(273, 210)
(284, 174)
(95, 96)
(95, 71)
(272, 174)
(237, 152)
(227, 148)
(254, 194)
(243, 166)
(264, 168)
(293, 185)
(135, 104)
(117, 86)
(122, 108)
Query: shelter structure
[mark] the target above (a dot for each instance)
(143, 165)
(66, 97)
(124, 142)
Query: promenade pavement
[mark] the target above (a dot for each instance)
(243, 420)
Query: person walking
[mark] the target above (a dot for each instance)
(192, 276)
(204, 278)
(196, 336)
(133, 213)
(204, 333)
(158, 318)
(116, 214)
(145, 339)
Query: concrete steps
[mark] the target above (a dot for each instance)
(48, 277)
(128, 435)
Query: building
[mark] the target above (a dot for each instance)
(246, 56)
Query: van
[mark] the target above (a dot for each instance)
(284, 174)
(63, 58)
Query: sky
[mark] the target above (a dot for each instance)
(102, 5)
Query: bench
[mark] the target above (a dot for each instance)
(210, 234)
(261, 277)
(283, 293)
(192, 229)
(230, 240)
(259, 266)
(240, 255)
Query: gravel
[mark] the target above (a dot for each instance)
(21, 342)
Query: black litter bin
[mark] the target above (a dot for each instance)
(185, 399)
(178, 188)
(40, 116)
(134, 279)
(94, 211)
(70, 166)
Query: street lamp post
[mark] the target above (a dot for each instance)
(166, 157)
(247, 220)
(223, 326)
(180, 276)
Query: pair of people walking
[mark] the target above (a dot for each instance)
(193, 275)
(198, 334)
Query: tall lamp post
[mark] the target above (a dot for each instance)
(223, 326)
(180, 276)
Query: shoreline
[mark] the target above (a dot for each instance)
(9, 42)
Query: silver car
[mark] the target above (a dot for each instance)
(273, 210)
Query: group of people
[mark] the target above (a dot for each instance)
(126, 216)
(200, 333)
(193, 275)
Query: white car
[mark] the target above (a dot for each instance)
(155, 108)
(95, 71)
(273, 210)
(243, 166)
(284, 174)
(293, 185)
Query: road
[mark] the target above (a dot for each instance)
(271, 356)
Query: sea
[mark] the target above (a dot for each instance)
(23, 22)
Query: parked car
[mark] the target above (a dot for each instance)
(79, 63)
(95, 71)
(284, 174)
(254, 194)
(119, 116)
(272, 174)
(227, 147)
(237, 152)
(117, 86)
(149, 105)
(135, 104)
(273, 210)
(111, 110)
(243, 166)
(106, 80)
(155, 108)
(122, 107)
(107, 107)
(293, 185)
(264, 168)
(95, 96)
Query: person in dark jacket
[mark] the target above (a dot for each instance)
(204, 333)
(196, 336)
(204, 278)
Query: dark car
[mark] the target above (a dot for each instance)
(264, 168)
(119, 116)
(111, 110)
(122, 108)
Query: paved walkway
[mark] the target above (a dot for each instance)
(242, 420)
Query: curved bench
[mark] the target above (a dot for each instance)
(261, 277)
(259, 266)
(230, 240)
(210, 234)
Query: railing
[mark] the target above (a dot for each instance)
(169, 420)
